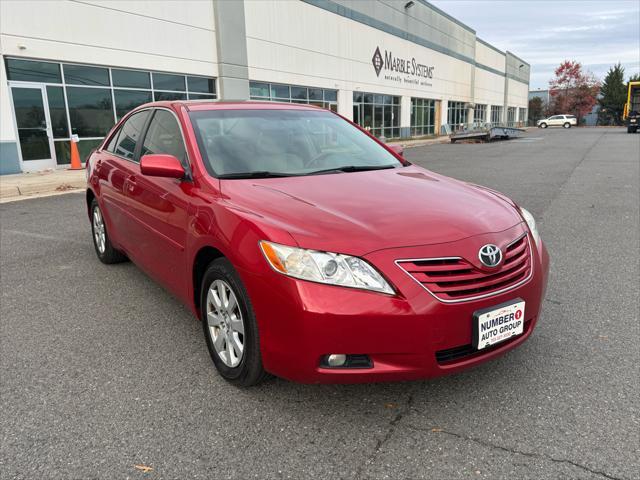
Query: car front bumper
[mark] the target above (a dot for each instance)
(407, 336)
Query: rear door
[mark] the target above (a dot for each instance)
(113, 165)
(160, 206)
(556, 120)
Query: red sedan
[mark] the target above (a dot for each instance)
(309, 249)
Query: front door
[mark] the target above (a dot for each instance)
(34, 127)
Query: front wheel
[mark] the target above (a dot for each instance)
(229, 325)
(543, 125)
(567, 125)
(632, 129)
(104, 249)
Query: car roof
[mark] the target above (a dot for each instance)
(197, 105)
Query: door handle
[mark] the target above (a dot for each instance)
(130, 184)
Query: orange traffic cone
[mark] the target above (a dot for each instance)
(75, 157)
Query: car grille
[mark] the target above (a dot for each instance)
(454, 279)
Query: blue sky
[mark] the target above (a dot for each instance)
(545, 32)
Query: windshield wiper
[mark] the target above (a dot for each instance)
(352, 168)
(257, 174)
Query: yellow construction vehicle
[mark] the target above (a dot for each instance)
(631, 114)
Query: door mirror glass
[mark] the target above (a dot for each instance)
(161, 165)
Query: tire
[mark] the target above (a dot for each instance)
(567, 125)
(231, 332)
(101, 242)
(632, 129)
(543, 125)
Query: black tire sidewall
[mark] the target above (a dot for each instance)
(250, 369)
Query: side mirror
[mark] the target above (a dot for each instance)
(399, 149)
(161, 165)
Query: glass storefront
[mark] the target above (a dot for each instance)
(496, 115)
(423, 117)
(456, 115)
(380, 114)
(511, 116)
(86, 100)
(480, 114)
(321, 97)
(522, 116)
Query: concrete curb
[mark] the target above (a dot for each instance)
(32, 185)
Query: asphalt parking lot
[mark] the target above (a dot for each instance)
(104, 373)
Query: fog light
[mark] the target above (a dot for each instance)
(336, 359)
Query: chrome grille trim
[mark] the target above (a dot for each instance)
(474, 297)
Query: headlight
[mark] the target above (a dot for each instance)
(531, 222)
(324, 267)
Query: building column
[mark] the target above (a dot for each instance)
(405, 117)
(345, 104)
(231, 43)
(444, 114)
(9, 156)
(470, 118)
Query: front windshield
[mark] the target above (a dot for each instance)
(235, 143)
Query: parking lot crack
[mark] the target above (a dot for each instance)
(513, 451)
(573, 170)
(384, 439)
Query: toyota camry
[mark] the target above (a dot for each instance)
(309, 249)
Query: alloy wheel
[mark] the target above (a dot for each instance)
(225, 322)
(99, 231)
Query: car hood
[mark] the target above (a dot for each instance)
(361, 212)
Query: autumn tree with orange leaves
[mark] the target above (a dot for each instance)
(572, 90)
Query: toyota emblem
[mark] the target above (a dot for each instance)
(490, 255)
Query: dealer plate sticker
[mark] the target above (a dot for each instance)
(497, 324)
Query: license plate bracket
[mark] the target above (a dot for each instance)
(496, 324)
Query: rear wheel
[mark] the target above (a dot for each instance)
(104, 249)
(567, 125)
(229, 325)
(543, 125)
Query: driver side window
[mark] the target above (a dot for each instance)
(123, 143)
(164, 136)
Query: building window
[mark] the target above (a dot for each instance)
(57, 112)
(89, 99)
(276, 92)
(130, 79)
(165, 81)
(30, 71)
(480, 114)
(423, 117)
(201, 85)
(85, 75)
(496, 115)
(511, 116)
(379, 114)
(522, 117)
(456, 115)
(127, 100)
(90, 111)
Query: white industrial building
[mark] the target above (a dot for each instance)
(399, 68)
